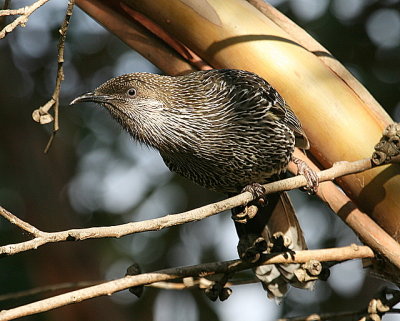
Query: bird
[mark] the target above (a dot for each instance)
(227, 130)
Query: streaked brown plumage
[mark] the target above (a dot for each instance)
(222, 129)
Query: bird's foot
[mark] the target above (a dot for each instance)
(250, 210)
(245, 213)
(218, 289)
(257, 190)
(279, 242)
(310, 175)
(251, 247)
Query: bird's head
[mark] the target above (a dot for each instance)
(129, 89)
(170, 113)
(138, 101)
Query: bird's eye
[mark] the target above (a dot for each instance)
(131, 92)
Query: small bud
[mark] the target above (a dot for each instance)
(42, 118)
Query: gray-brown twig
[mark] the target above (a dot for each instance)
(6, 5)
(20, 223)
(200, 270)
(189, 282)
(42, 115)
(22, 19)
(41, 238)
(46, 289)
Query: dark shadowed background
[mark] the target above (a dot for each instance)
(96, 175)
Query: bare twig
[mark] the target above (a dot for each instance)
(340, 169)
(20, 223)
(201, 283)
(200, 270)
(12, 12)
(42, 115)
(23, 19)
(338, 254)
(6, 5)
(189, 282)
(46, 289)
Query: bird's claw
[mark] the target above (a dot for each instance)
(250, 210)
(279, 242)
(257, 190)
(310, 175)
(218, 289)
(251, 247)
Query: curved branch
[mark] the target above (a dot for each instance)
(23, 19)
(201, 270)
(41, 238)
(45, 289)
(42, 115)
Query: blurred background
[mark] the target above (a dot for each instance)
(95, 175)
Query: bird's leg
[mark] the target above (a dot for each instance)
(310, 175)
(244, 213)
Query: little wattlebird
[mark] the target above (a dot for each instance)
(224, 130)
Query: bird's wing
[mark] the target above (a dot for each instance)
(248, 90)
(293, 122)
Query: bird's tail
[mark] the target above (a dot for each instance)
(274, 228)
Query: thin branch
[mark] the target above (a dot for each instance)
(45, 289)
(12, 12)
(23, 19)
(339, 169)
(20, 223)
(6, 5)
(201, 283)
(42, 115)
(200, 270)
(187, 283)
(338, 254)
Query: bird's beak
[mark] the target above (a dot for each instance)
(90, 97)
